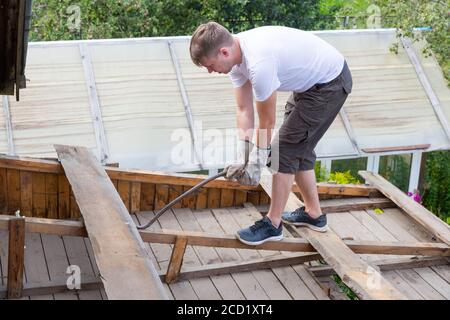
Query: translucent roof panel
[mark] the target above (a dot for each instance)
(54, 108)
(140, 101)
(147, 123)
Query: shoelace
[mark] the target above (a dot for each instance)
(258, 225)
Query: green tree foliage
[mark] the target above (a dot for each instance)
(139, 18)
(436, 189)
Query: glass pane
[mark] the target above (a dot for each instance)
(354, 165)
(396, 169)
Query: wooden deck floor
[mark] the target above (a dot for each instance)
(47, 258)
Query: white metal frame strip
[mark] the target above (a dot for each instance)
(186, 104)
(99, 129)
(8, 126)
(407, 44)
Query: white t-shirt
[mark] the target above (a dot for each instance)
(284, 59)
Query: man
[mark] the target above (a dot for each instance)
(261, 62)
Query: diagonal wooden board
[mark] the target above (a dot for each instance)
(364, 280)
(125, 268)
(416, 211)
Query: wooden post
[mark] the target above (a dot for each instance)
(16, 253)
(176, 259)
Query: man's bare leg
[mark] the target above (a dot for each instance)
(282, 184)
(306, 181)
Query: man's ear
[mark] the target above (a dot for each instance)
(225, 51)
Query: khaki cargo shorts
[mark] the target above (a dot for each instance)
(307, 117)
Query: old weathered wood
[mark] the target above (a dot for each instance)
(3, 191)
(13, 190)
(176, 259)
(124, 193)
(51, 196)
(76, 228)
(135, 197)
(152, 177)
(16, 255)
(354, 272)
(38, 194)
(416, 211)
(226, 198)
(125, 268)
(399, 148)
(214, 198)
(202, 199)
(161, 196)
(147, 196)
(63, 197)
(26, 194)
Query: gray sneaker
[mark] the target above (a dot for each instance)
(300, 218)
(262, 231)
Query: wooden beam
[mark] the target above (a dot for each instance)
(52, 287)
(176, 259)
(399, 148)
(435, 103)
(364, 280)
(77, 229)
(97, 120)
(154, 177)
(389, 264)
(8, 126)
(276, 261)
(125, 267)
(416, 211)
(16, 254)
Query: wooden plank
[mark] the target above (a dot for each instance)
(202, 198)
(390, 264)
(161, 196)
(174, 192)
(124, 193)
(152, 177)
(78, 256)
(213, 198)
(181, 290)
(57, 264)
(38, 182)
(13, 182)
(222, 280)
(135, 204)
(353, 271)
(308, 287)
(226, 198)
(16, 247)
(63, 197)
(147, 196)
(246, 281)
(397, 148)
(204, 288)
(51, 195)
(76, 228)
(240, 197)
(36, 266)
(26, 194)
(3, 192)
(253, 197)
(266, 278)
(176, 259)
(419, 213)
(127, 272)
(4, 235)
(190, 200)
(400, 231)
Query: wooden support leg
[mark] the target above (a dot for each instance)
(16, 252)
(176, 259)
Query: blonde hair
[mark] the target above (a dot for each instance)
(207, 40)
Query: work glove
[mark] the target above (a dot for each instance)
(233, 170)
(250, 174)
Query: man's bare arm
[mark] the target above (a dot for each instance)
(267, 118)
(244, 115)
